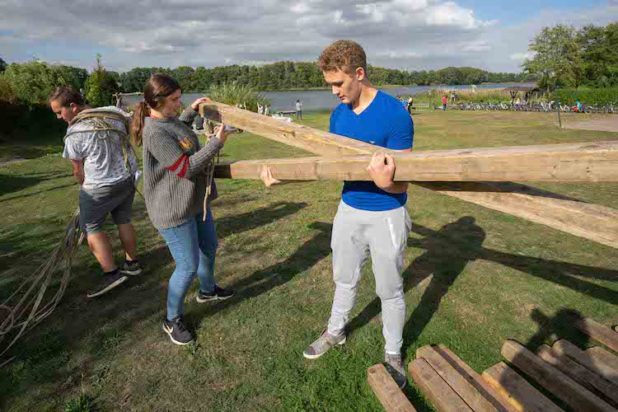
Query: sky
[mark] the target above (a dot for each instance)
(401, 34)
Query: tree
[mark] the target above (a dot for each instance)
(100, 86)
(33, 82)
(557, 59)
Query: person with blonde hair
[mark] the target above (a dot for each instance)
(372, 218)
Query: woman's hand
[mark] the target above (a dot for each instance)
(221, 133)
(196, 104)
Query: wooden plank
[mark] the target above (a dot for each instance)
(522, 395)
(387, 391)
(441, 395)
(556, 382)
(589, 162)
(589, 221)
(598, 332)
(600, 355)
(466, 386)
(580, 374)
(292, 134)
(496, 398)
(564, 347)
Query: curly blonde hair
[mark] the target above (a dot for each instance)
(345, 55)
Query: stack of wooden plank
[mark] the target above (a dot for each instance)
(554, 378)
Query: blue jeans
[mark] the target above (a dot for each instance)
(193, 245)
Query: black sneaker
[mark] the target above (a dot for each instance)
(108, 282)
(177, 331)
(132, 268)
(217, 294)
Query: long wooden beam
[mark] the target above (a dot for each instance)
(596, 223)
(581, 162)
(292, 134)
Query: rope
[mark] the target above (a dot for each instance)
(26, 309)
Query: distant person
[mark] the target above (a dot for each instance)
(453, 97)
(579, 106)
(267, 110)
(410, 105)
(444, 102)
(260, 109)
(177, 191)
(372, 219)
(299, 109)
(104, 165)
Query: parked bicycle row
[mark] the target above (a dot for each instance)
(533, 107)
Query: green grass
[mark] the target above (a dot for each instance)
(474, 277)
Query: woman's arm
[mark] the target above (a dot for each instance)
(166, 150)
(188, 115)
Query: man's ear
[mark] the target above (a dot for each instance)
(360, 74)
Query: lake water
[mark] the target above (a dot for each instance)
(325, 100)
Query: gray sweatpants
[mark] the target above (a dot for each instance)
(384, 235)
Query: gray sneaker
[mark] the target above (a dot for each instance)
(323, 344)
(394, 366)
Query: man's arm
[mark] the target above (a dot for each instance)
(78, 170)
(382, 170)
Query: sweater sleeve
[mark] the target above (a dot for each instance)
(168, 153)
(187, 116)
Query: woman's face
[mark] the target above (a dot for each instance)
(170, 105)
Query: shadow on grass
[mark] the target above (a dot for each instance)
(12, 183)
(259, 217)
(451, 248)
(98, 326)
(261, 281)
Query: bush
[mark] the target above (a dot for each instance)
(233, 94)
(602, 96)
(33, 82)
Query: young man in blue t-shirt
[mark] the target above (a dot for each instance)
(372, 218)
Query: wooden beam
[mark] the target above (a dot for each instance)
(292, 134)
(565, 348)
(522, 395)
(463, 380)
(441, 395)
(601, 355)
(591, 222)
(387, 391)
(579, 373)
(582, 162)
(572, 393)
(598, 332)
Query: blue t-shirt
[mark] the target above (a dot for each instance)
(383, 123)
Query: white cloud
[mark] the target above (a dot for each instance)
(521, 56)
(409, 34)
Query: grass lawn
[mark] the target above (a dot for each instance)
(473, 277)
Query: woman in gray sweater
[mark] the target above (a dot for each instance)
(175, 185)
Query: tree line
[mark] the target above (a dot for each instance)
(32, 82)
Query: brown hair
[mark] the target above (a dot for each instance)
(65, 95)
(345, 55)
(157, 88)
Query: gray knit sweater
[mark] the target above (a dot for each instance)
(174, 176)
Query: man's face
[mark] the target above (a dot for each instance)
(345, 86)
(66, 113)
